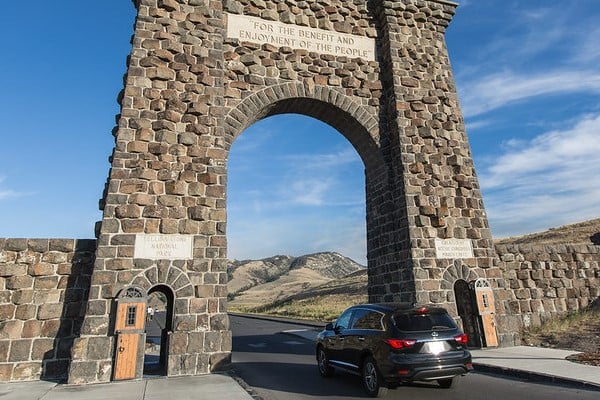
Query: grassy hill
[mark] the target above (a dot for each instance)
(586, 232)
(255, 283)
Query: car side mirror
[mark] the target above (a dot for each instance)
(329, 327)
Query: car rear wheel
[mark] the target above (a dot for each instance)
(324, 368)
(372, 380)
(445, 383)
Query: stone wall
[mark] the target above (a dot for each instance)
(44, 285)
(545, 281)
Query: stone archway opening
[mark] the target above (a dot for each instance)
(159, 326)
(296, 187)
(466, 306)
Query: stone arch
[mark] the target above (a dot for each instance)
(458, 270)
(191, 89)
(327, 104)
(168, 275)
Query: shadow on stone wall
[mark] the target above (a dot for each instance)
(74, 298)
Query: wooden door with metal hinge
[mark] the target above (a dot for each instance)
(129, 330)
(487, 310)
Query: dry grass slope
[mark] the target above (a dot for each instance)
(586, 232)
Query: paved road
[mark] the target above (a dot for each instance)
(282, 367)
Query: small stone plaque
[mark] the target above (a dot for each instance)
(164, 247)
(258, 30)
(453, 248)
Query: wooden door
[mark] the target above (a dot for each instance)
(126, 357)
(487, 310)
(129, 329)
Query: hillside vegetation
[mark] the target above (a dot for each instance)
(256, 283)
(586, 232)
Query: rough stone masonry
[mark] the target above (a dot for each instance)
(192, 88)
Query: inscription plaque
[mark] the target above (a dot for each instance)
(453, 248)
(257, 30)
(164, 247)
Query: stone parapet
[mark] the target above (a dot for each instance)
(44, 286)
(546, 281)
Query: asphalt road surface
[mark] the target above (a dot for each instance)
(280, 366)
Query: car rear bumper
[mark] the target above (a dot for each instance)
(419, 369)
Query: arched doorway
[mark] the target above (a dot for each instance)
(159, 324)
(467, 311)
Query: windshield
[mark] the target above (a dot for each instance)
(412, 322)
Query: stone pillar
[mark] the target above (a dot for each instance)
(433, 191)
(167, 177)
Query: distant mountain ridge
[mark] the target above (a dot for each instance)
(254, 282)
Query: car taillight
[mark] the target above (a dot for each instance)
(462, 338)
(400, 343)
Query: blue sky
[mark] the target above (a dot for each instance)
(527, 74)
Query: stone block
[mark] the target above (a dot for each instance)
(46, 296)
(6, 372)
(83, 372)
(195, 342)
(11, 329)
(42, 349)
(15, 245)
(50, 311)
(185, 323)
(62, 245)
(99, 348)
(25, 311)
(79, 349)
(27, 371)
(178, 343)
(4, 346)
(56, 257)
(38, 245)
(32, 329)
(20, 350)
(50, 328)
(212, 342)
(219, 322)
(46, 282)
(12, 270)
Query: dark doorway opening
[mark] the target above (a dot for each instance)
(159, 320)
(467, 311)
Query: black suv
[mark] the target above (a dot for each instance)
(387, 344)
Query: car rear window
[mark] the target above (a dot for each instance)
(412, 322)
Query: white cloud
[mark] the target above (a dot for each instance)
(312, 162)
(499, 89)
(9, 193)
(548, 181)
(312, 192)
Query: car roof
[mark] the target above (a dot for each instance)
(396, 307)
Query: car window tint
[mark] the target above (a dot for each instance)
(343, 321)
(367, 319)
(423, 322)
